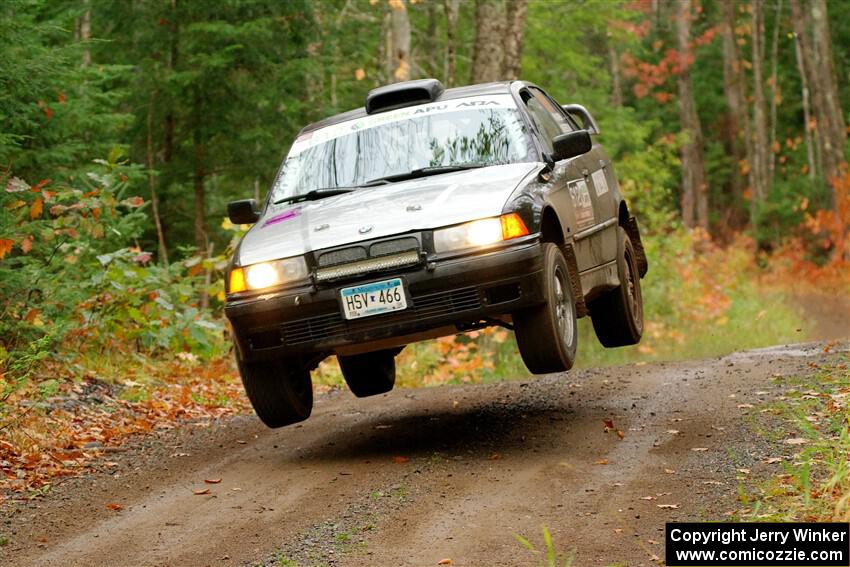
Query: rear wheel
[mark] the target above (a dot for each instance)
(369, 374)
(618, 315)
(280, 390)
(546, 334)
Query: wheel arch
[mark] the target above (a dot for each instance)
(551, 230)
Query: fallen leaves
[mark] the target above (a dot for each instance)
(609, 426)
(668, 506)
(114, 507)
(88, 418)
(212, 480)
(444, 562)
(796, 441)
(601, 462)
(400, 460)
(201, 491)
(699, 449)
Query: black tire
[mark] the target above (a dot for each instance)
(280, 390)
(369, 374)
(546, 335)
(618, 315)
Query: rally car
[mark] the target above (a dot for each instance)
(430, 212)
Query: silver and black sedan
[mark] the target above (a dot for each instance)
(430, 212)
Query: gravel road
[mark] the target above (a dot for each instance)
(416, 477)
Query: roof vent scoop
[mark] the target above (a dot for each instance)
(399, 95)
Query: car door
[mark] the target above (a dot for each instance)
(595, 239)
(567, 179)
(572, 193)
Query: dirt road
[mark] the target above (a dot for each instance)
(419, 476)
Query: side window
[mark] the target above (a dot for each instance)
(553, 110)
(548, 119)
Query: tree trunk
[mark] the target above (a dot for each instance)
(452, 8)
(429, 43)
(831, 119)
(737, 140)
(85, 33)
(694, 198)
(199, 177)
(760, 144)
(160, 235)
(517, 10)
(807, 113)
(169, 121)
(810, 79)
(774, 94)
(400, 41)
(616, 82)
(489, 44)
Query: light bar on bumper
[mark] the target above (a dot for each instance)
(365, 266)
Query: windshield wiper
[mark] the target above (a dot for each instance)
(424, 172)
(315, 194)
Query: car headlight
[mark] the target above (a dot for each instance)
(480, 233)
(267, 274)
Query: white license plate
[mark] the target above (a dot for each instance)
(373, 299)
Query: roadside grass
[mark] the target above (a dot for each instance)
(813, 418)
(548, 555)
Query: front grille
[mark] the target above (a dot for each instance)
(332, 326)
(395, 246)
(342, 256)
(402, 260)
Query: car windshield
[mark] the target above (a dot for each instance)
(425, 139)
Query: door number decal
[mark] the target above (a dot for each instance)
(582, 204)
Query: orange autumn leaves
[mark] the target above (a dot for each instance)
(90, 417)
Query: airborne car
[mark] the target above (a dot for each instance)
(430, 212)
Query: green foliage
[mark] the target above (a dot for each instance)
(549, 556)
(73, 280)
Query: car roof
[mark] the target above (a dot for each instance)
(503, 87)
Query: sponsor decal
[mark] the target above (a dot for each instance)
(290, 214)
(582, 204)
(600, 182)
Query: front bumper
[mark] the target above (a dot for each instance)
(454, 293)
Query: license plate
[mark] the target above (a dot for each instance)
(373, 299)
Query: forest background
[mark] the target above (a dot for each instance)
(127, 125)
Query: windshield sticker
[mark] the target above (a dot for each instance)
(291, 214)
(582, 204)
(600, 183)
(316, 137)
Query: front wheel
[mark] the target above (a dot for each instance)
(280, 390)
(618, 315)
(546, 334)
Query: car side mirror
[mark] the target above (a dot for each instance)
(571, 145)
(243, 212)
(581, 115)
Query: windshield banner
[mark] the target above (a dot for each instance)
(310, 139)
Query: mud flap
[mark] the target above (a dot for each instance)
(631, 228)
(575, 280)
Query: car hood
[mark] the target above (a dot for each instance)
(373, 212)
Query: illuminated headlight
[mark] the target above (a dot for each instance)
(480, 233)
(268, 274)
